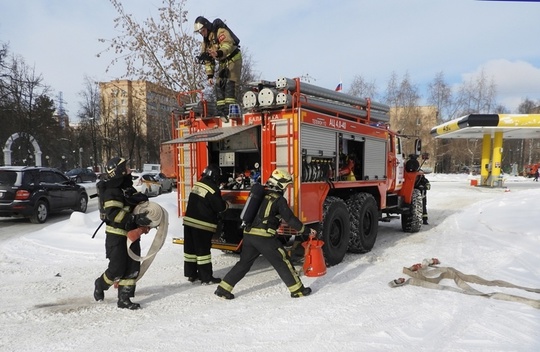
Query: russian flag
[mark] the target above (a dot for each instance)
(339, 87)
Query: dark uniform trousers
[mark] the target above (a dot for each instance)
(197, 256)
(121, 266)
(272, 249)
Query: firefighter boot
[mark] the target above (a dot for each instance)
(301, 292)
(230, 96)
(99, 287)
(124, 301)
(220, 101)
(223, 293)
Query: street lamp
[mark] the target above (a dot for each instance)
(93, 136)
(47, 158)
(80, 157)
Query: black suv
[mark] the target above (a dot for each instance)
(35, 192)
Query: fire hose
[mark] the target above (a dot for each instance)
(160, 220)
(427, 275)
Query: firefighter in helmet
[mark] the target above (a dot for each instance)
(219, 45)
(118, 198)
(260, 238)
(200, 223)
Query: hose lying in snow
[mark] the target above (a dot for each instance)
(160, 220)
(428, 276)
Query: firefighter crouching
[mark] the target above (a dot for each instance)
(117, 200)
(221, 45)
(260, 238)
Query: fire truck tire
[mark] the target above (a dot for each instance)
(336, 230)
(412, 222)
(364, 217)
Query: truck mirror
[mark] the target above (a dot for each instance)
(418, 146)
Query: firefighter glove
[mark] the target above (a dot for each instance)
(142, 219)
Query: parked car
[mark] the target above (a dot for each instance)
(166, 183)
(80, 175)
(146, 183)
(35, 192)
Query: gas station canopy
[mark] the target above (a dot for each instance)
(512, 126)
(492, 129)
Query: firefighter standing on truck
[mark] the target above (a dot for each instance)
(117, 200)
(260, 238)
(219, 44)
(200, 223)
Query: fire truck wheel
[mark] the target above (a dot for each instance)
(364, 216)
(413, 222)
(336, 229)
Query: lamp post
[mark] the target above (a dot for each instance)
(93, 136)
(80, 156)
(47, 158)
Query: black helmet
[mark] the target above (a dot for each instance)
(200, 23)
(213, 172)
(116, 167)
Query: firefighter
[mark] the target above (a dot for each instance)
(118, 198)
(219, 44)
(424, 186)
(260, 238)
(204, 207)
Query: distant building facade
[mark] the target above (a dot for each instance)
(135, 119)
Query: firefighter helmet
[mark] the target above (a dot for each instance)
(279, 180)
(213, 172)
(200, 23)
(116, 167)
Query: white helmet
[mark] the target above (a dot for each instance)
(279, 180)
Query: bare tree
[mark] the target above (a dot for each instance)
(90, 117)
(161, 50)
(477, 95)
(440, 96)
(363, 89)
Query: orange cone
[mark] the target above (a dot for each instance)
(314, 263)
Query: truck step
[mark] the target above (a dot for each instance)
(389, 218)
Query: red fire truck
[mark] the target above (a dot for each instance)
(349, 168)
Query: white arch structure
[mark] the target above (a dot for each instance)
(15, 136)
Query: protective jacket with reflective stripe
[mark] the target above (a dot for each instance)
(204, 205)
(273, 209)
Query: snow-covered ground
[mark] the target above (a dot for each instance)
(47, 279)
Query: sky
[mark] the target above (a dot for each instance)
(48, 276)
(326, 41)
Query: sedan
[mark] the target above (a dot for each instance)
(80, 175)
(146, 184)
(166, 183)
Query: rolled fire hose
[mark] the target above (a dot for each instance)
(160, 220)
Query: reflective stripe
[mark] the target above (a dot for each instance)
(261, 232)
(113, 203)
(127, 282)
(198, 224)
(226, 286)
(120, 216)
(204, 259)
(190, 258)
(115, 230)
(107, 280)
(201, 189)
